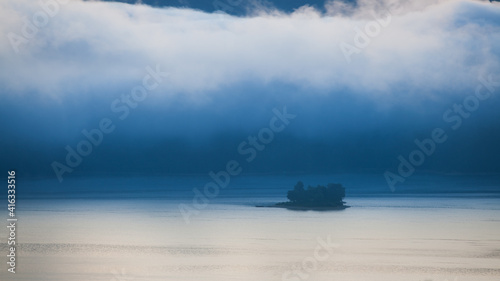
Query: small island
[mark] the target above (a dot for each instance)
(314, 198)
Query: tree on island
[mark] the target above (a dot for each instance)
(319, 196)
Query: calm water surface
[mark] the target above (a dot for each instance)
(409, 238)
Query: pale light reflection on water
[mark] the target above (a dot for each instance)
(420, 238)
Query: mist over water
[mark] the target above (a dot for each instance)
(206, 99)
(255, 186)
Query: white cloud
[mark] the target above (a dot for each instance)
(429, 47)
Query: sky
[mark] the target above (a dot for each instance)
(176, 88)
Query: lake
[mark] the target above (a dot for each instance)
(386, 238)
